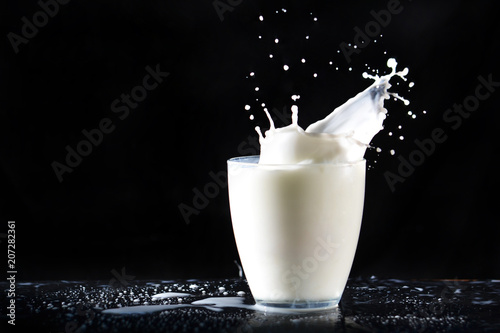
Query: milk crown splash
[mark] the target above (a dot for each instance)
(341, 137)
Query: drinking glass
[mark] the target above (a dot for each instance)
(296, 228)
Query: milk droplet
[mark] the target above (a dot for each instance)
(285, 67)
(392, 152)
(378, 150)
(276, 40)
(411, 84)
(315, 19)
(390, 133)
(270, 55)
(303, 60)
(247, 107)
(252, 74)
(307, 37)
(241, 293)
(401, 138)
(391, 63)
(256, 88)
(261, 18)
(295, 97)
(424, 112)
(315, 74)
(252, 117)
(263, 104)
(414, 116)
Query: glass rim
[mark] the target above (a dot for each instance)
(243, 161)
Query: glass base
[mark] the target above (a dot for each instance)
(298, 306)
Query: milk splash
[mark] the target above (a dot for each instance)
(341, 137)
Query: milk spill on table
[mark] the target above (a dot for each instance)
(341, 137)
(216, 304)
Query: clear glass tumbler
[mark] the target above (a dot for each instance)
(296, 229)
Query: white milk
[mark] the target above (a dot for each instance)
(342, 136)
(296, 228)
(297, 210)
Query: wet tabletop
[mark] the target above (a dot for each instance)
(368, 305)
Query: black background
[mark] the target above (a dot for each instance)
(119, 208)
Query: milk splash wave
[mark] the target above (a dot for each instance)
(341, 137)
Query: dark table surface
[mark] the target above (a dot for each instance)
(368, 305)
